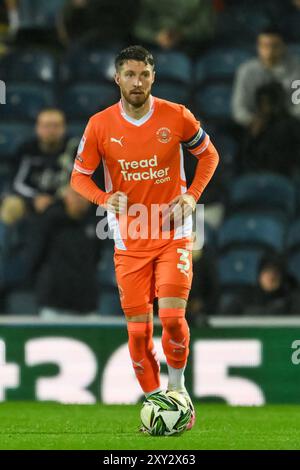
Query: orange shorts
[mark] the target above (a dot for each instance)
(163, 272)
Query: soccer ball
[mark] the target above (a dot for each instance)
(165, 413)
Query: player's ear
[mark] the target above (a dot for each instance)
(117, 78)
(153, 78)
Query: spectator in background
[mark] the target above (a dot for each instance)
(95, 23)
(272, 142)
(272, 64)
(276, 292)
(63, 251)
(74, 21)
(9, 14)
(32, 23)
(13, 16)
(43, 166)
(9, 21)
(176, 24)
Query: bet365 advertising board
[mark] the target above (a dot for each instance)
(90, 363)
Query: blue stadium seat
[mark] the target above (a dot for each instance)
(252, 230)
(297, 184)
(294, 265)
(106, 270)
(206, 236)
(25, 101)
(39, 13)
(5, 62)
(293, 237)
(227, 147)
(92, 66)
(238, 268)
(109, 303)
(3, 237)
(227, 297)
(172, 92)
(228, 165)
(13, 259)
(48, 11)
(221, 63)
(11, 136)
(13, 267)
(214, 101)
(243, 21)
(264, 191)
(209, 236)
(32, 66)
(294, 48)
(173, 66)
(81, 101)
(21, 302)
(76, 129)
(6, 178)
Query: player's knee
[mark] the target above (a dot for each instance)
(174, 325)
(172, 319)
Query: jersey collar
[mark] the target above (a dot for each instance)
(141, 121)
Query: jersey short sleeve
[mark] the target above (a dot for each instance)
(194, 138)
(88, 155)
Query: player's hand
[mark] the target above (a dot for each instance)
(42, 202)
(181, 207)
(117, 203)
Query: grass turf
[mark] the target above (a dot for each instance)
(26, 425)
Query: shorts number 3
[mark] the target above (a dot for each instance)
(184, 266)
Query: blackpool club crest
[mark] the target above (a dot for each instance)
(164, 135)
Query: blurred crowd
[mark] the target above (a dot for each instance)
(51, 261)
(88, 23)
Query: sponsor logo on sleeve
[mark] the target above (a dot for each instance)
(79, 158)
(81, 145)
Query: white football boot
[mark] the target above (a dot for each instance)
(192, 408)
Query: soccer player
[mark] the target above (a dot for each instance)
(139, 141)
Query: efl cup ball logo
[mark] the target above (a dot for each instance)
(164, 135)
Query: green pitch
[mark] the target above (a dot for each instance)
(53, 426)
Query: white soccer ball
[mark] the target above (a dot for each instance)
(165, 413)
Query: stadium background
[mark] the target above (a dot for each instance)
(238, 358)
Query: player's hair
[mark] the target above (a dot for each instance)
(52, 110)
(138, 53)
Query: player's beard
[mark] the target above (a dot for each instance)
(136, 100)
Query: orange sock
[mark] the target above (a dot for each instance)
(175, 337)
(143, 356)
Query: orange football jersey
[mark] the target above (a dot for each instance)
(144, 159)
